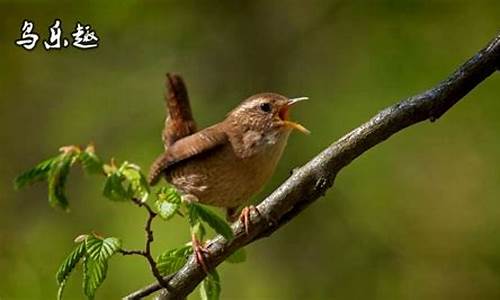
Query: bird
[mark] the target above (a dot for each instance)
(227, 163)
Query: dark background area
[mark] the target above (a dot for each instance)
(415, 218)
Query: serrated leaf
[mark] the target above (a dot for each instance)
(237, 257)
(91, 163)
(69, 263)
(102, 249)
(38, 173)
(212, 219)
(172, 260)
(94, 273)
(168, 202)
(57, 176)
(210, 287)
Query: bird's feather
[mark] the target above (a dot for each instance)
(186, 148)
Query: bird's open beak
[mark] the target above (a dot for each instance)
(284, 114)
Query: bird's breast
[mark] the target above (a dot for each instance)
(224, 178)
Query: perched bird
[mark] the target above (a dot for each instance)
(225, 164)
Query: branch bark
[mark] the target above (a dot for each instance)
(311, 181)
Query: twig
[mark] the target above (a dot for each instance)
(131, 252)
(311, 181)
(147, 249)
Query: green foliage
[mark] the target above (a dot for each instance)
(67, 266)
(95, 263)
(125, 182)
(91, 163)
(94, 273)
(172, 260)
(57, 176)
(210, 287)
(56, 170)
(168, 202)
(237, 257)
(38, 173)
(100, 249)
(198, 212)
(96, 252)
(113, 188)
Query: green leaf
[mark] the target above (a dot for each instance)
(101, 249)
(60, 290)
(168, 202)
(57, 180)
(67, 266)
(38, 173)
(137, 184)
(237, 257)
(94, 273)
(95, 263)
(172, 260)
(91, 163)
(69, 263)
(125, 183)
(113, 188)
(210, 287)
(212, 219)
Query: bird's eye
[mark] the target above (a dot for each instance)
(265, 107)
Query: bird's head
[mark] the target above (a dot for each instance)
(266, 113)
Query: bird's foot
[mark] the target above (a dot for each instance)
(246, 214)
(199, 252)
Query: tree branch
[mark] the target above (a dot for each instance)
(147, 249)
(311, 181)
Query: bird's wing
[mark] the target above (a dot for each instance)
(185, 148)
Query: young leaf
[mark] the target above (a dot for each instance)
(212, 219)
(57, 179)
(137, 184)
(113, 188)
(91, 163)
(60, 290)
(102, 249)
(95, 264)
(38, 173)
(94, 273)
(210, 287)
(125, 183)
(67, 266)
(168, 202)
(172, 260)
(237, 257)
(69, 263)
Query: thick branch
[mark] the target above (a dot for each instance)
(311, 181)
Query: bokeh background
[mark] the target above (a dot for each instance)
(418, 217)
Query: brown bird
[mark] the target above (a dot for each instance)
(225, 164)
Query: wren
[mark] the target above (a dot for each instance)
(227, 163)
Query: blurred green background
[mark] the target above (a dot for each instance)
(415, 218)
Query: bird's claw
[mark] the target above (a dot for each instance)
(246, 214)
(199, 252)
